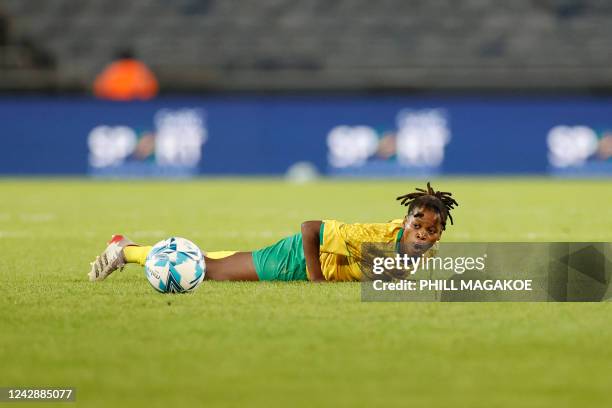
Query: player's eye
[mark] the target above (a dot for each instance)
(417, 226)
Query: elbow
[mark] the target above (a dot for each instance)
(311, 228)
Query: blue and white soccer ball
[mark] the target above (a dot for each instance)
(175, 265)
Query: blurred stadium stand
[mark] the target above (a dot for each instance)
(196, 45)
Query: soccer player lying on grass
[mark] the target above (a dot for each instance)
(325, 250)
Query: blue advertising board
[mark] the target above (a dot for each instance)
(344, 136)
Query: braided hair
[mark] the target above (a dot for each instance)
(439, 201)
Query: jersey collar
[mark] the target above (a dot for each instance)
(398, 240)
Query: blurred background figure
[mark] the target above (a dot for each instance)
(126, 79)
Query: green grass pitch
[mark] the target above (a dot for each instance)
(275, 344)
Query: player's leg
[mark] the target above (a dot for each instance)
(236, 267)
(281, 261)
(222, 265)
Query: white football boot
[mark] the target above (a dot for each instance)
(111, 259)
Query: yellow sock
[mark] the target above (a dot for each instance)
(220, 254)
(136, 254)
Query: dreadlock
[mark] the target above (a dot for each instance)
(439, 201)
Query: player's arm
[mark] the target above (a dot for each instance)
(311, 241)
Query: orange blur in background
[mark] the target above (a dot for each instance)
(124, 80)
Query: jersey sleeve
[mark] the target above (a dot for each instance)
(332, 241)
(340, 238)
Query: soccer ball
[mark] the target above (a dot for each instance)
(175, 265)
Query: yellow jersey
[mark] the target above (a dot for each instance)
(340, 246)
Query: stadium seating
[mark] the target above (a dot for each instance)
(330, 44)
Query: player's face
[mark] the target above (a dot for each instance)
(422, 228)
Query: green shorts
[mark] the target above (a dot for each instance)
(282, 261)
